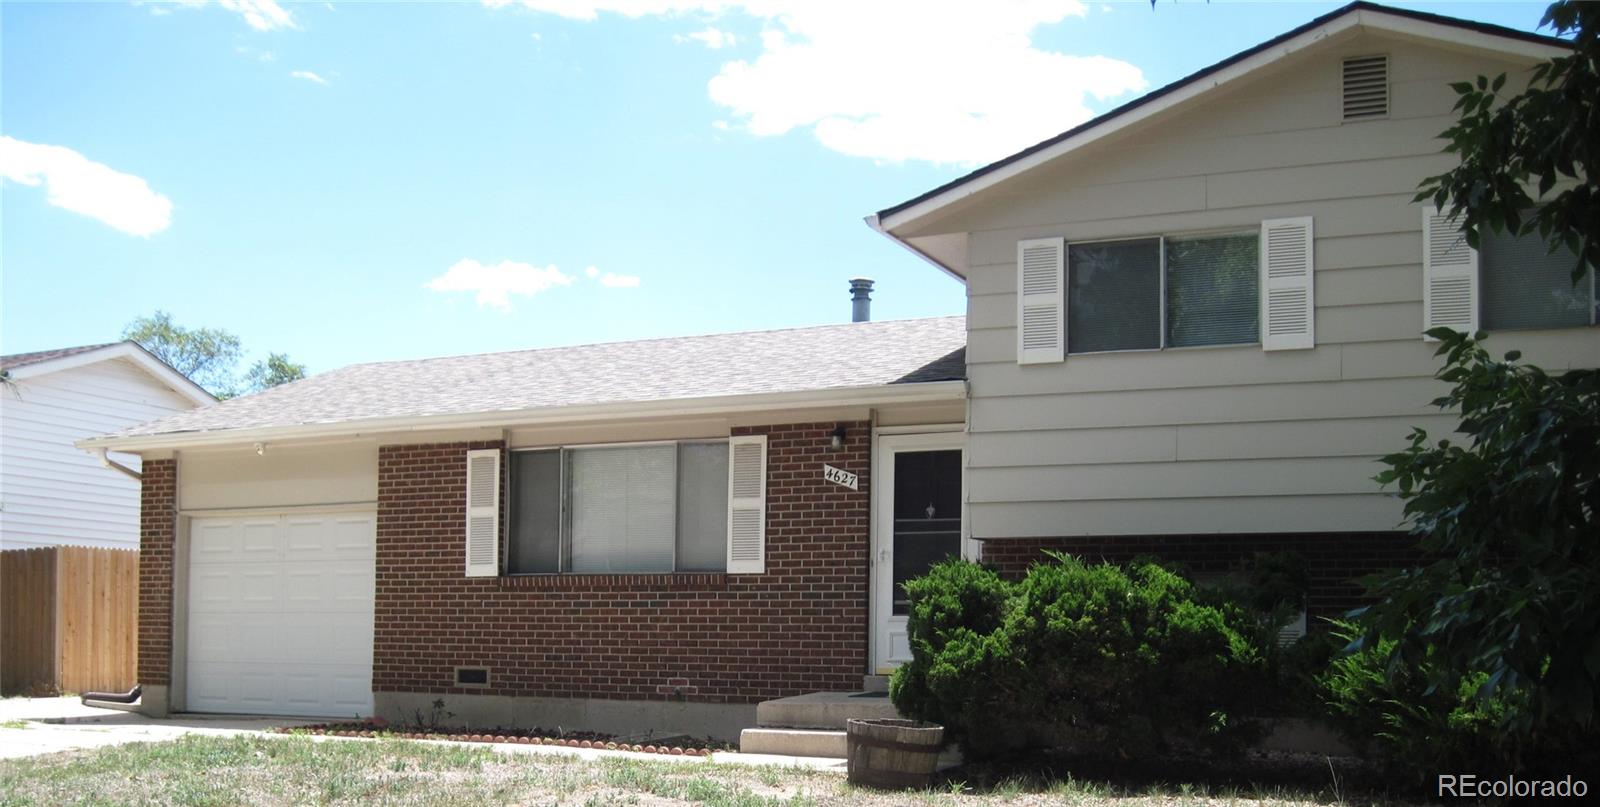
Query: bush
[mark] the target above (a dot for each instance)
(1126, 660)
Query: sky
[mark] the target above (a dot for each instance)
(350, 182)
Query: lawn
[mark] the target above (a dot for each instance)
(297, 770)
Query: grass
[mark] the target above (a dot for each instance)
(253, 769)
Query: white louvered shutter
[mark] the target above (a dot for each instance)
(483, 513)
(1449, 274)
(747, 504)
(1294, 631)
(1041, 300)
(1288, 310)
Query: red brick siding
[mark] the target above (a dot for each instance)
(1336, 560)
(800, 627)
(158, 518)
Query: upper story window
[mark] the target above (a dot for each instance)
(619, 509)
(1526, 286)
(1150, 293)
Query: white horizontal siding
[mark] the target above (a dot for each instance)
(1228, 439)
(53, 493)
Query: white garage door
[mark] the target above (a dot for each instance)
(280, 614)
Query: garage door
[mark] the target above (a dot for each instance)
(280, 614)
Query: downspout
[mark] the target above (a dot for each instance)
(108, 462)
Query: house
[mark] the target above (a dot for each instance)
(643, 534)
(1224, 287)
(51, 493)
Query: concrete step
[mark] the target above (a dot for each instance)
(823, 710)
(874, 683)
(793, 742)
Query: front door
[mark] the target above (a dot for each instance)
(919, 512)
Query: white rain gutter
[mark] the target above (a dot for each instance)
(114, 465)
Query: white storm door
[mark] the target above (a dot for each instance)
(919, 520)
(281, 614)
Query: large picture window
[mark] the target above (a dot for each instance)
(1151, 293)
(625, 509)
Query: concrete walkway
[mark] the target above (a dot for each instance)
(35, 726)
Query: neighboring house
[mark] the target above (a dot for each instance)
(661, 534)
(1222, 289)
(52, 493)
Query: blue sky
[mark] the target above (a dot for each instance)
(368, 181)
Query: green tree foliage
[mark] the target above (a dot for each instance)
(1547, 135)
(1507, 602)
(205, 355)
(208, 356)
(275, 369)
(1509, 520)
(1118, 660)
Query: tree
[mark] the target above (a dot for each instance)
(208, 356)
(275, 369)
(1545, 136)
(205, 355)
(1508, 592)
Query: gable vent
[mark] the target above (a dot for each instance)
(1366, 87)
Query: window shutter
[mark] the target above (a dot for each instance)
(1288, 312)
(1449, 274)
(483, 513)
(747, 504)
(1294, 631)
(1041, 300)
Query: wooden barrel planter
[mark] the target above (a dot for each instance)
(895, 754)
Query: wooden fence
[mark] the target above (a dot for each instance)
(68, 619)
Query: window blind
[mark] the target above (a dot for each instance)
(1212, 290)
(1524, 286)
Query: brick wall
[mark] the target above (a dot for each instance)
(800, 627)
(1335, 560)
(158, 519)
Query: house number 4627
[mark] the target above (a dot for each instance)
(840, 477)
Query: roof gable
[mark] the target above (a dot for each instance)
(1323, 31)
(30, 365)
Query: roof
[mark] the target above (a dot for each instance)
(24, 359)
(903, 353)
(1044, 148)
(19, 366)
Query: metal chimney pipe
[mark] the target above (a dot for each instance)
(860, 299)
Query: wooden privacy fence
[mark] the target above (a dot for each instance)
(68, 619)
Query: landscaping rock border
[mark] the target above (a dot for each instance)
(381, 730)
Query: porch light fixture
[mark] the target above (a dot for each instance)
(839, 433)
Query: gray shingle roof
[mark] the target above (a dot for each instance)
(793, 360)
(24, 359)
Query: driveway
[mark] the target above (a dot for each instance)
(32, 726)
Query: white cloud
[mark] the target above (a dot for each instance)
(939, 81)
(496, 283)
(612, 281)
(262, 15)
(309, 76)
(712, 37)
(83, 186)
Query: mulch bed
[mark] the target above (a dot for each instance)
(671, 746)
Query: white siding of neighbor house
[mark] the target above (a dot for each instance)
(1227, 439)
(53, 493)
